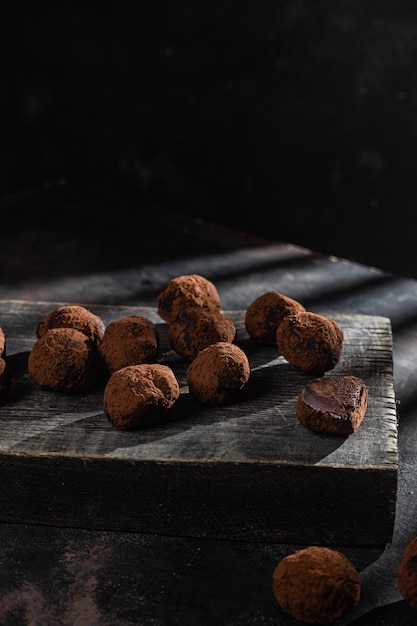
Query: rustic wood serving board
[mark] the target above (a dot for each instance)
(248, 470)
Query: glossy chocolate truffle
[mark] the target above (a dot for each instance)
(140, 395)
(218, 374)
(194, 329)
(332, 405)
(73, 316)
(64, 359)
(265, 313)
(316, 585)
(310, 342)
(187, 291)
(130, 340)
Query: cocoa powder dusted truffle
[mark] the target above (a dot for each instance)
(218, 373)
(64, 359)
(332, 405)
(130, 340)
(310, 342)
(4, 370)
(407, 574)
(187, 291)
(194, 329)
(140, 395)
(316, 585)
(264, 315)
(73, 316)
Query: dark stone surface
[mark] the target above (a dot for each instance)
(294, 120)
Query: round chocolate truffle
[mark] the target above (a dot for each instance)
(4, 375)
(316, 585)
(218, 373)
(332, 405)
(310, 342)
(140, 395)
(264, 315)
(73, 316)
(194, 329)
(407, 574)
(2, 343)
(183, 292)
(130, 340)
(64, 359)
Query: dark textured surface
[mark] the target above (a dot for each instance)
(291, 119)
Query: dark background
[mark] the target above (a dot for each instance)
(296, 120)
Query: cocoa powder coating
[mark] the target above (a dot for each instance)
(310, 342)
(407, 574)
(140, 395)
(64, 359)
(73, 316)
(218, 374)
(265, 313)
(332, 405)
(316, 585)
(187, 291)
(194, 329)
(130, 340)
(2, 343)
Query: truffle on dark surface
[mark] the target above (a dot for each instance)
(73, 316)
(130, 340)
(64, 359)
(407, 574)
(187, 291)
(316, 585)
(310, 342)
(218, 373)
(194, 329)
(4, 369)
(140, 395)
(332, 405)
(265, 313)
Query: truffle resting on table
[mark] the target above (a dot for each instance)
(332, 405)
(265, 313)
(73, 316)
(140, 395)
(194, 329)
(130, 340)
(64, 359)
(310, 342)
(407, 574)
(187, 291)
(218, 374)
(316, 585)
(4, 370)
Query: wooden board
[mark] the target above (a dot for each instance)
(244, 471)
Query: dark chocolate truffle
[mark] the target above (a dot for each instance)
(4, 369)
(194, 329)
(316, 585)
(332, 405)
(73, 316)
(130, 340)
(264, 315)
(64, 359)
(218, 373)
(183, 292)
(140, 395)
(407, 574)
(310, 342)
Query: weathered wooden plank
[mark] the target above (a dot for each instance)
(244, 471)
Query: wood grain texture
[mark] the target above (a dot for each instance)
(243, 471)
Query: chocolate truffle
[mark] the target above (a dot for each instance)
(140, 395)
(316, 585)
(218, 373)
(194, 329)
(73, 316)
(310, 342)
(4, 370)
(332, 405)
(64, 359)
(264, 315)
(2, 344)
(130, 340)
(187, 291)
(407, 574)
